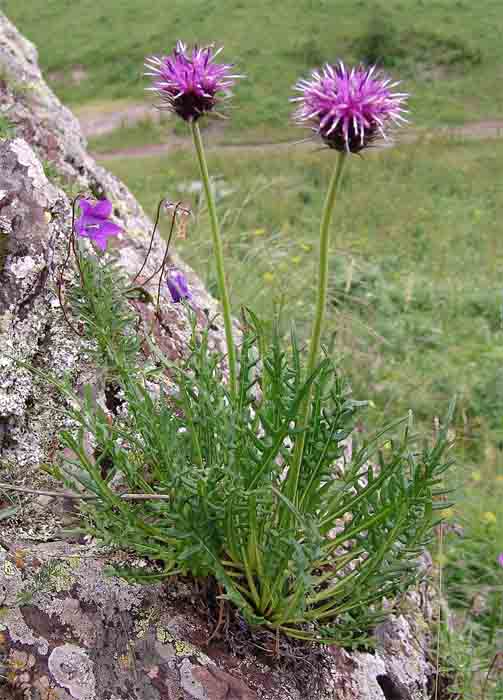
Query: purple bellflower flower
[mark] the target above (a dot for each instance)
(350, 110)
(190, 83)
(94, 222)
(178, 286)
(500, 559)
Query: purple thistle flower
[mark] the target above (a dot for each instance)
(178, 286)
(94, 222)
(349, 110)
(189, 83)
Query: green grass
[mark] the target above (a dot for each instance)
(473, 583)
(448, 51)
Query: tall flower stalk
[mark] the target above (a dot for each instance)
(321, 305)
(219, 255)
(350, 111)
(191, 84)
(321, 301)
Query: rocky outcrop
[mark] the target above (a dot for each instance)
(67, 631)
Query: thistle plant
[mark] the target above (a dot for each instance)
(253, 483)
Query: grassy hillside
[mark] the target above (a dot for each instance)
(449, 52)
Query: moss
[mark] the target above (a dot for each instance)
(7, 129)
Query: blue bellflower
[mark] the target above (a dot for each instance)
(94, 222)
(178, 286)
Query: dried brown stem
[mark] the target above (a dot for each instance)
(84, 497)
(151, 241)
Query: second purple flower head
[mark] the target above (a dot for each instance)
(350, 110)
(189, 82)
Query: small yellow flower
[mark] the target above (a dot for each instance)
(268, 277)
(476, 475)
(306, 246)
(259, 232)
(296, 259)
(499, 478)
(489, 517)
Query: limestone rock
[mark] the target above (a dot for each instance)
(67, 628)
(35, 222)
(67, 631)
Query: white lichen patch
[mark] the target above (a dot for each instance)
(71, 667)
(190, 684)
(24, 267)
(13, 622)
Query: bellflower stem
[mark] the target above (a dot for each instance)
(219, 256)
(314, 346)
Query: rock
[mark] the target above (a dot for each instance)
(35, 218)
(67, 627)
(68, 631)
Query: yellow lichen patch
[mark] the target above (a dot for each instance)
(163, 635)
(124, 662)
(144, 621)
(141, 628)
(73, 562)
(61, 578)
(185, 648)
(9, 568)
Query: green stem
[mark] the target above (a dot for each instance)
(314, 346)
(219, 256)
